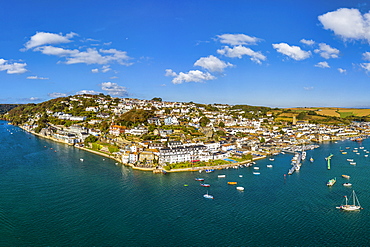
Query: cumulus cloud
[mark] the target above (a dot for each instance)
(322, 65)
(365, 66)
(43, 38)
(12, 68)
(212, 63)
(342, 71)
(191, 76)
(113, 89)
(87, 92)
(35, 77)
(56, 95)
(326, 51)
(308, 88)
(307, 42)
(366, 56)
(95, 70)
(90, 56)
(347, 23)
(237, 39)
(239, 51)
(294, 52)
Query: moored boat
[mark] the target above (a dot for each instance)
(351, 207)
(205, 185)
(256, 173)
(240, 188)
(199, 179)
(208, 196)
(331, 182)
(232, 183)
(221, 176)
(347, 184)
(346, 176)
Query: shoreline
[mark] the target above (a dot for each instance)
(189, 169)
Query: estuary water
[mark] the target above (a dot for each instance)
(49, 197)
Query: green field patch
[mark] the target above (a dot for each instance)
(345, 114)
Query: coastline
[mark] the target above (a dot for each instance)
(190, 169)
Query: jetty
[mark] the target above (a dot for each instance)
(296, 163)
(328, 159)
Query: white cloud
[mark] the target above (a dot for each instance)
(347, 23)
(90, 56)
(366, 56)
(12, 68)
(294, 52)
(191, 76)
(308, 88)
(326, 51)
(322, 65)
(307, 42)
(237, 39)
(212, 63)
(113, 89)
(365, 66)
(34, 99)
(87, 92)
(105, 68)
(239, 51)
(42, 38)
(35, 77)
(56, 51)
(56, 95)
(342, 71)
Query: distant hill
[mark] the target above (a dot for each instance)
(4, 108)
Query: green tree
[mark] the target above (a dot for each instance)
(204, 121)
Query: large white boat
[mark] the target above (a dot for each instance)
(351, 207)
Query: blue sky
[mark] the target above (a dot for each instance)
(269, 53)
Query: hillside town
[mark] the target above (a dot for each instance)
(152, 134)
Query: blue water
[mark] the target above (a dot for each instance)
(48, 197)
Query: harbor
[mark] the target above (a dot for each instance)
(106, 204)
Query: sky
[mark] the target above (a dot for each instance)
(275, 53)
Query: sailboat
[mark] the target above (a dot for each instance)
(355, 206)
(208, 196)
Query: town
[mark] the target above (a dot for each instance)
(153, 134)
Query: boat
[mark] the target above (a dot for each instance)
(256, 168)
(256, 173)
(240, 176)
(311, 159)
(232, 183)
(350, 160)
(352, 163)
(240, 188)
(347, 184)
(271, 159)
(208, 196)
(331, 182)
(81, 160)
(269, 166)
(221, 176)
(344, 152)
(205, 185)
(346, 176)
(348, 207)
(199, 179)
